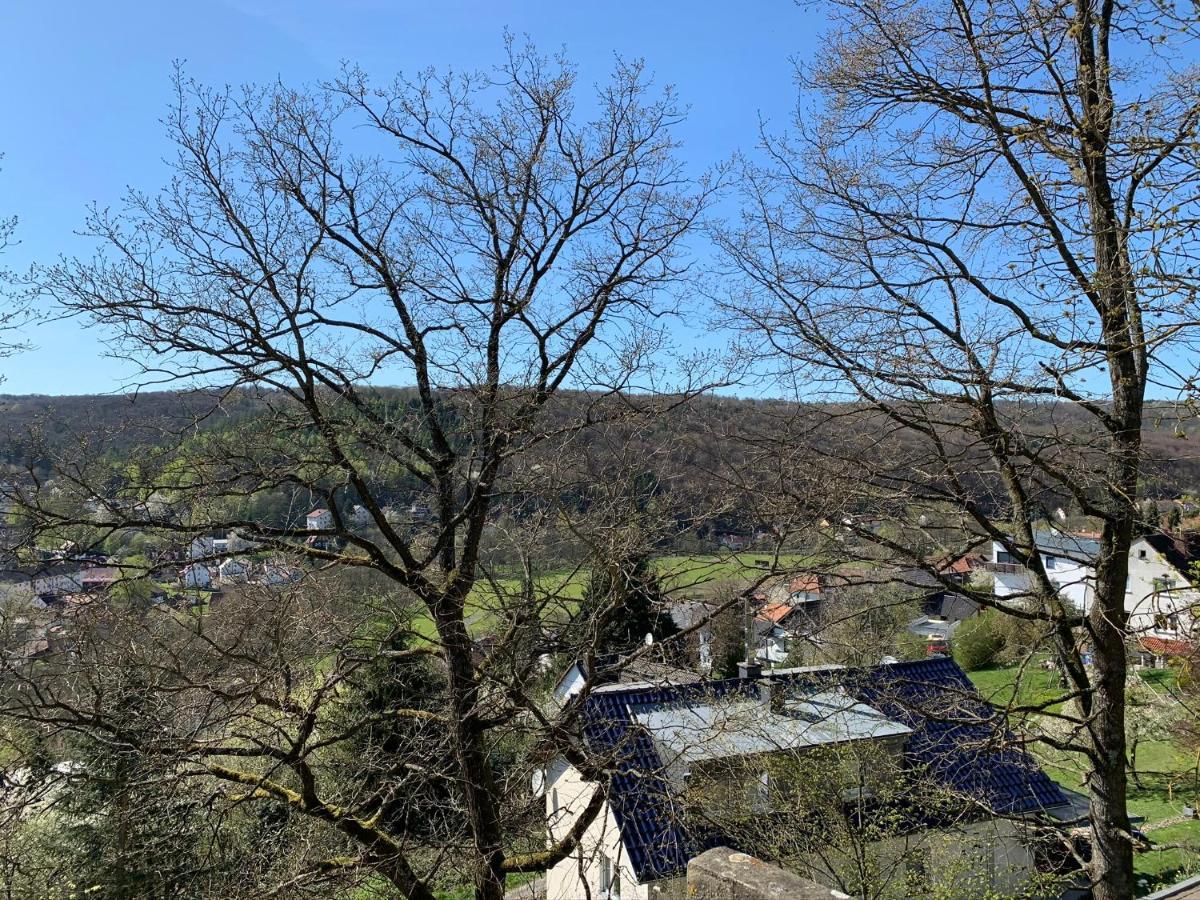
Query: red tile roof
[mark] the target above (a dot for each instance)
(963, 565)
(775, 613)
(1167, 646)
(808, 583)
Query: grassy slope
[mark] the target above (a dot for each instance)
(1167, 772)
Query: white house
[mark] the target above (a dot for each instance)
(278, 573)
(201, 547)
(1160, 593)
(666, 747)
(772, 634)
(56, 584)
(207, 546)
(233, 570)
(318, 520)
(1069, 561)
(196, 576)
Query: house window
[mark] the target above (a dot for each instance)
(1141, 554)
(1166, 622)
(610, 880)
(1163, 584)
(1051, 562)
(1003, 556)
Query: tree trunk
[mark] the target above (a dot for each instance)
(1112, 856)
(475, 772)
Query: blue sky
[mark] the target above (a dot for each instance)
(85, 84)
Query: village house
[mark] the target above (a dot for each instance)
(277, 573)
(1160, 593)
(1069, 561)
(319, 520)
(663, 748)
(734, 541)
(209, 546)
(98, 578)
(200, 547)
(52, 584)
(772, 636)
(1161, 596)
(233, 570)
(196, 576)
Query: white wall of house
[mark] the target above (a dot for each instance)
(233, 570)
(1074, 580)
(773, 646)
(1158, 597)
(319, 519)
(600, 850)
(964, 861)
(704, 642)
(61, 583)
(200, 548)
(570, 684)
(197, 576)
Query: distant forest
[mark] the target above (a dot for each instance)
(705, 429)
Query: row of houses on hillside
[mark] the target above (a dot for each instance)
(793, 610)
(238, 570)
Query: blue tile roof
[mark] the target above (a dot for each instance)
(957, 739)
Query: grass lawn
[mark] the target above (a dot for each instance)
(1159, 868)
(1001, 688)
(1167, 775)
(561, 590)
(682, 572)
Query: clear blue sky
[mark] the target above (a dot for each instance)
(84, 85)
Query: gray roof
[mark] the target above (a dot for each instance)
(736, 725)
(1073, 547)
(933, 627)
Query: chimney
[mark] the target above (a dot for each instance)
(751, 671)
(750, 668)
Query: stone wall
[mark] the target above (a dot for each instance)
(724, 874)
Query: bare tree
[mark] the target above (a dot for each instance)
(13, 313)
(980, 238)
(488, 242)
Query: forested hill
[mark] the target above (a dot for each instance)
(31, 423)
